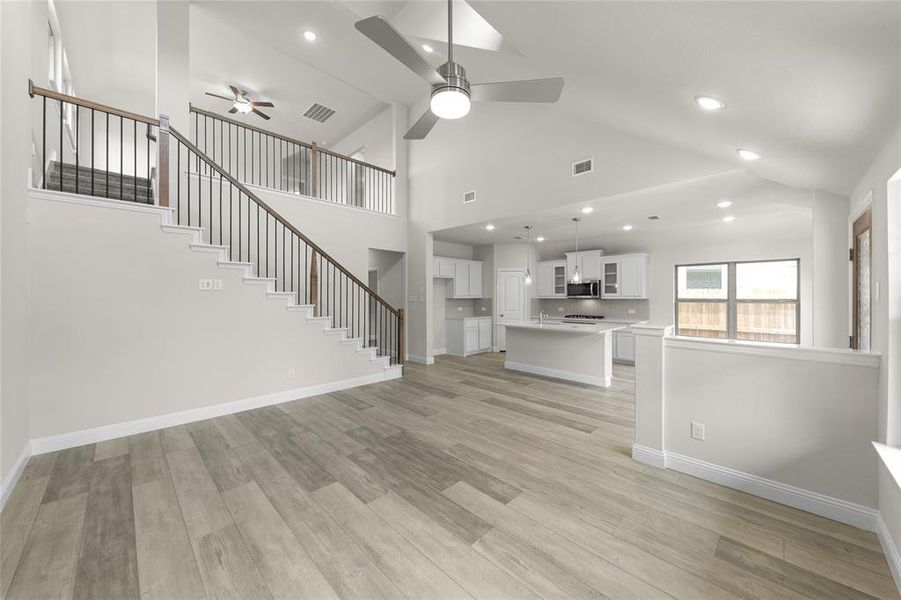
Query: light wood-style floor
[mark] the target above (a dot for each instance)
(459, 481)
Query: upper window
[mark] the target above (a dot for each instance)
(757, 301)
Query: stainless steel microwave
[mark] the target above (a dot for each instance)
(586, 289)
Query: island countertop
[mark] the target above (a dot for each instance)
(568, 328)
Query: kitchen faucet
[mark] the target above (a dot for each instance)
(541, 317)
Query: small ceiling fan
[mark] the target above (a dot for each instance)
(242, 104)
(451, 90)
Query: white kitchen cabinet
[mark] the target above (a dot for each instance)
(469, 335)
(625, 276)
(443, 267)
(464, 276)
(624, 346)
(461, 280)
(475, 279)
(589, 263)
(552, 279)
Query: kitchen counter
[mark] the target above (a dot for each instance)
(568, 328)
(581, 352)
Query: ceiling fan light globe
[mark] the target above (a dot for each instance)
(243, 107)
(450, 103)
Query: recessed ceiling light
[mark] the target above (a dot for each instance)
(627, 228)
(748, 154)
(489, 227)
(724, 203)
(728, 219)
(709, 103)
(309, 36)
(428, 48)
(540, 239)
(587, 210)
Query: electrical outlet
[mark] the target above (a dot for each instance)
(484, 309)
(217, 285)
(459, 309)
(631, 311)
(292, 373)
(698, 431)
(204, 284)
(559, 309)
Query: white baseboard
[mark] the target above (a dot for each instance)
(422, 360)
(558, 374)
(649, 456)
(439, 351)
(9, 482)
(117, 430)
(892, 555)
(843, 511)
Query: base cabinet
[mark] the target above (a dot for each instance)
(624, 346)
(469, 335)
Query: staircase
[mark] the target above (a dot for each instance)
(65, 177)
(200, 199)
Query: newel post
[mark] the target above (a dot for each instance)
(163, 171)
(650, 424)
(314, 283)
(314, 171)
(400, 336)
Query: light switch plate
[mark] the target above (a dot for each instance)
(698, 431)
(217, 284)
(205, 284)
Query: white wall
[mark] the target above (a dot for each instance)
(831, 270)
(518, 158)
(873, 188)
(119, 330)
(345, 232)
(787, 417)
(15, 159)
(373, 138)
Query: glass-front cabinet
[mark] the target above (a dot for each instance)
(611, 279)
(552, 279)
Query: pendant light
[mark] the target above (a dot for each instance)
(576, 276)
(528, 255)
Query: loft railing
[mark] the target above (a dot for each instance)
(202, 193)
(264, 158)
(91, 148)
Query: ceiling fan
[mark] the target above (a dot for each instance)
(242, 104)
(451, 90)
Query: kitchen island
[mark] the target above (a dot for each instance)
(573, 351)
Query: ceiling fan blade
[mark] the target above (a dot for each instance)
(233, 110)
(219, 96)
(385, 35)
(263, 104)
(262, 114)
(235, 91)
(529, 90)
(423, 126)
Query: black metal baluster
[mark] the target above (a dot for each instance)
(92, 151)
(134, 133)
(149, 131)
(178, 184)
(121, 159)
(60, 161)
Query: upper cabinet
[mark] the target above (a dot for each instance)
(464, 276)
(625, 276)
(589, 263)
(552, 279)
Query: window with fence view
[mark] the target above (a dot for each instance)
(757, 301)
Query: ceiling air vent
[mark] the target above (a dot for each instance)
(320, 113)
(469, 197)
(583, 166)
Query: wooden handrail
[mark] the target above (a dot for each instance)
(241, 187)
(290, 140)
(54, 95)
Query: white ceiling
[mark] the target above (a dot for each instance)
(230, 44)
(813, 86)
(687, 211)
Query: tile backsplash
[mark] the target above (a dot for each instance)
(612, 309)
(480, 307)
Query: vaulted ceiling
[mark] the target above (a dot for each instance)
(813, 86)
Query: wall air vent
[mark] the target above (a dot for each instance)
(319, 113)
(469, 197)
(583, 166)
